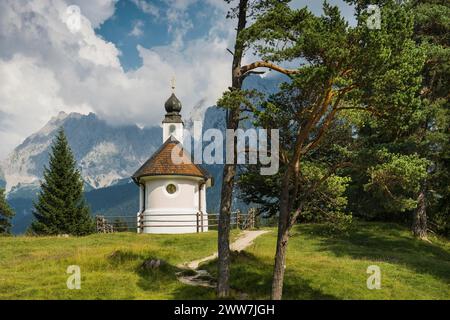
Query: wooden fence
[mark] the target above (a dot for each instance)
(108, 224)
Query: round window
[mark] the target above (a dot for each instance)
(171, 188)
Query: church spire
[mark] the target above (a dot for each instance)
(172, 84)
(172, 123)
(173, 105)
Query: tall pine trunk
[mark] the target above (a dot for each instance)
(223, 287)
(280, 262)
(229, 171)
(282, 239)
(419, 226)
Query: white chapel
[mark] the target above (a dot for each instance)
(172, 195)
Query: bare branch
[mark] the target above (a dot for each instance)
(269, 65)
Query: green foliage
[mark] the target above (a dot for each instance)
(432, 26)
(326, 203)
(369, 72)
(396, 181)
(419, 129)
(328, 199)
(338, 223)
(61, 208)
(390, 89)
(6, 214)
(321, 187)
(243, 98)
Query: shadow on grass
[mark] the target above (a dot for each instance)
(387, 242)
(163, 279)
(253, 277)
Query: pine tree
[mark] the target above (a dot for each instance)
(61, 207)
(6, 213)
(411, 190)
(432, 30)
(342, 70)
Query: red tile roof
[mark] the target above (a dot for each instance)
(161, 163)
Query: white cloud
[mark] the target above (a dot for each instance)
(137, 29)
(97, 11)
(29, 97)
(45, 68)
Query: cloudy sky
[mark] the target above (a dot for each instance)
(118, 64)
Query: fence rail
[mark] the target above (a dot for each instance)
(109, 224)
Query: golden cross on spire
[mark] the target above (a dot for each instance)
(172, 83)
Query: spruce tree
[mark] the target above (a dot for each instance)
(61, 207)
(6, 213)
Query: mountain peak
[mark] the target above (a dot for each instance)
(58, 118)
(104, 153)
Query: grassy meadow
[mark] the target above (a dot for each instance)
(319, 266)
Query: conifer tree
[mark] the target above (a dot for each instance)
(61, 207)
(411, 190)
(6, 213)
(342, 69)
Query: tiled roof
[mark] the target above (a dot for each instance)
(161, 163)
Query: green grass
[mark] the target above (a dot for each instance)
(318, 266)
(35, 268)
(326, 267)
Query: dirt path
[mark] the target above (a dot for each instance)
(202, 277)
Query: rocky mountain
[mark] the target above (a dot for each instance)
(104, 153)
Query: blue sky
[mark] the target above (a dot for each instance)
(154, 29)
(117, 64)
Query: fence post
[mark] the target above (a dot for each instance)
(251, 217)
(201, 217)
(140, 223)
(197, 215)
(97, 223)
(101, 224)
(238, 218)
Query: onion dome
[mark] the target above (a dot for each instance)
(173, 105)
(173, 108)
